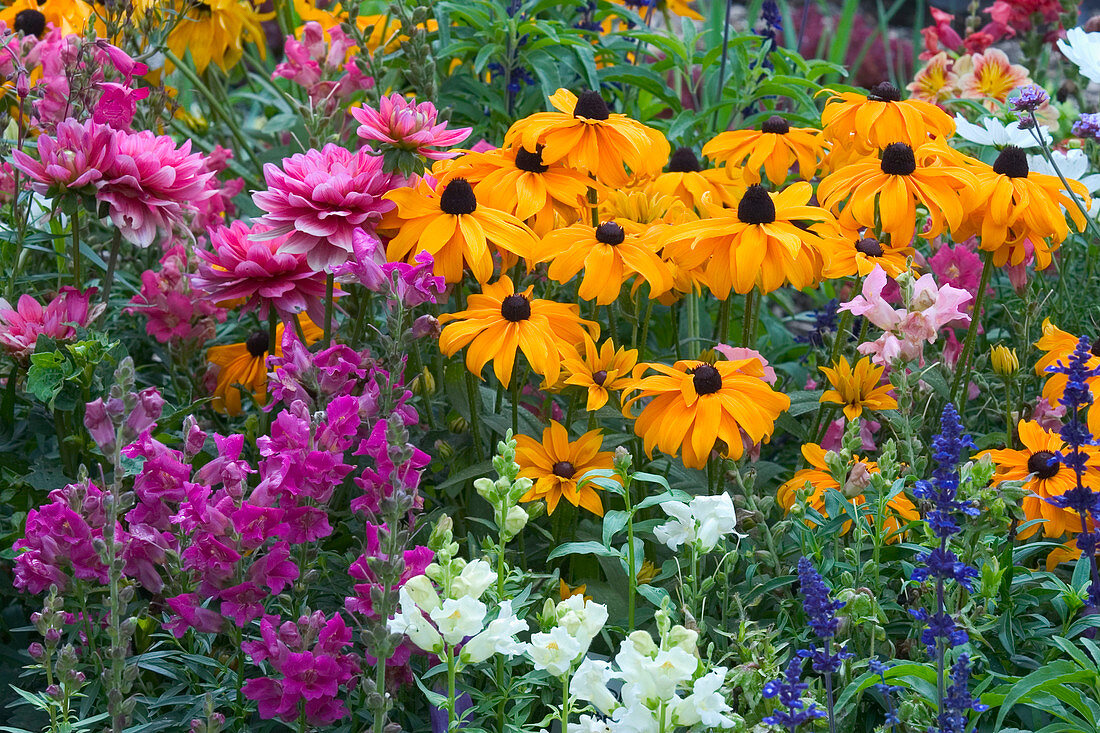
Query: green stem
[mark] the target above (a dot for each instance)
(112, 261)
(451, 696)
(473, 398)
(631, 575)
(74, 225)
(963, 368)
(515, 402)
(750, 301)
(330, 281)
(565, 702)
(641, 343)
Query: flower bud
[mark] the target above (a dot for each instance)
(1004, 360)
(425, 326)
(515, 521)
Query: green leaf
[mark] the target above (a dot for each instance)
(1059, 672)
(613, 522)
(589, 547)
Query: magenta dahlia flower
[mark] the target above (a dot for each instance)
(21, 326)
(320, 198)
(76, 158)
(409, 126)
(259, 271)
(153, 185)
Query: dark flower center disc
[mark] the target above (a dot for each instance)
(1043, 464)
(610, 233)
(1012, 162)
(592, 106)
(756, 207)
(707, 379)
(898, 160)
(258, 343)
(564, 469)
(776, 125)
(515, 308)
(458, 198)
(683, 161)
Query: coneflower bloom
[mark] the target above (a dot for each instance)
(517, 182)
(500, 322)
(857, 387)
(409, 126)
(863, 123)
(260, 273)
(850, 256)
(584, 134)
(1057, 346)
(21, 326)
(609, 257)
(695, 408)
(31, 16)
(320, 198)
(775, 148)
(1019, 207)
(215, 32)
(763, 243)
(449, 223)
(74, 159)
(900, 509)
(600, 371)
(1043, 474)
(557, 465)
(689, 182)
(244, 364)
(884, 192)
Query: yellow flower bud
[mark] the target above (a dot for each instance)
(1005, 362)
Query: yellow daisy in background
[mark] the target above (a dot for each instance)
(245, 365)
(857, 387)
(775, 148)
(864, 123)
(449, 224)
(642, 211)
(600, 371)
(500, 322)
(584, 134)
(556, 466)
(697, 408)
(215, 32)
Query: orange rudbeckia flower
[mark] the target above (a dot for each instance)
(556, 466)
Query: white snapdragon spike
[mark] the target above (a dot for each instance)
(715, 518)
(411, 622)
(653, 677)
(680, 529)
(582, 619)
(554, 651)
(637, 718)
(1073, 164)
(706, 704)
(459, 618)
(590, 683)
(1083, 49)
(499, 637)
(991, 131)
(475, 577)
(422, 591)
(589, 724)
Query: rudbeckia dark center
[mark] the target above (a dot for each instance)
(531, 162)
(458, 198)
(707, 379)
(515, 308)
(599, 377)
(592, 106)
(610, 233)
(258, 343)
(1012, 162)
(1095, 350)
(898, 160)
(683, 161)
(776, 125)
(30, 22)
(870, 247)
(884, 92)
(1043, 464)
(756, 207)
(564, 469)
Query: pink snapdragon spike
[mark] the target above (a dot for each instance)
(415, 285)
(259, 271)
(368, 254)
(320, 198)
(322, 66)
(121, 60)
(117, 105)
(213, 210)
(409, 126)
(958, 266)
(21, 326)
(172, 311)
(153, 185)
(77, 158)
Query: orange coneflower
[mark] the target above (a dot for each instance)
(851, 256)
(900, 508)
(863, 123)
(776, 148)
(601, 371)
(31, 16)
(857, 387)
(556, 466)
(1044, 476)
(1058, 345)
(698, 407)
(584, 134)
(884, 191)
(689, 182)
(244, 364)
(450, 224)
(1017, 207)
(517, 182)
(609, 257)
(215, 32)
(763, 243)
(499, 322)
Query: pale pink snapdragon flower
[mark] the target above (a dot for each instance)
(321, 64)
(21, 326)
(409, 126)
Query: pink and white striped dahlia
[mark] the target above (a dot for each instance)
(21, 326)
(77, 158)
(320, 198)
(408, 125)
(153, 185)
(261, 272)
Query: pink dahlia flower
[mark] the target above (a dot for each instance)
(21, 326)
(320, 198)
(76, 158)
(153, 185)
(408, 125)
(260, 272)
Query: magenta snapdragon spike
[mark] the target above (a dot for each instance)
(324, 67)
(172, 312)
(21, 326)
(408, 126)
(261, 272)
(320, 198)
